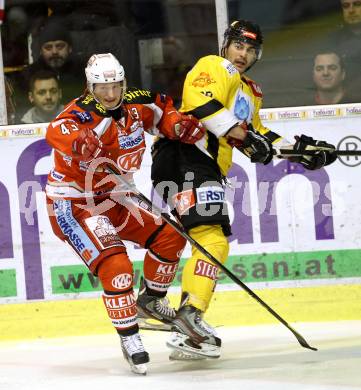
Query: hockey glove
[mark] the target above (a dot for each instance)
(324, 152)
(185, 128)
(255, 146)
(189, 129)
(87, 146)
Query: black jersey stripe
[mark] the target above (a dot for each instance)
(207, 109)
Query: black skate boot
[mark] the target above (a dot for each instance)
(134, 353)
(150, 308)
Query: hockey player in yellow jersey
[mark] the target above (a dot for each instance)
(227, 102)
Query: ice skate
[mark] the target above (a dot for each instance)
(134, 353)
(179, 355)
(192, 336)
(154, 313)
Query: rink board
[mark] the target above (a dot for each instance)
(294, 232)
(47, 319)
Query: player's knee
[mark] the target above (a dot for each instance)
(169, 244)
(116, 273)
(212, 238)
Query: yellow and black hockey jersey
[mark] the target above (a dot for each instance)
(219, 97)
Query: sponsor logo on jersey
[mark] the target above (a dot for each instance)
(69, 227)
(210, 195)
(87, 255)
(120, 302)
(122, 281)
(229, 67)
(83, 166)
(101, 108)
(167, 269)
(122, 309)
(203, 268)
(165, 273)
(83, 116)
(131, 162)
(131, 143)
(104, 231)
(88, 99)
(130, 95)
(132, 140)
(202, 80)
(67, 160)
(183, 201)
(56, 175)
(242, 107)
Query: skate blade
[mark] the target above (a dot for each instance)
(185, 357)
(178, 341)
(150, 324)
(139, 369)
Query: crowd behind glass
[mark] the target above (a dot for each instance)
(312, 50)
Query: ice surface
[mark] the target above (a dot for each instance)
(253, 358)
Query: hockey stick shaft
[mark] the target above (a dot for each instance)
(166, 218)
(290, 152)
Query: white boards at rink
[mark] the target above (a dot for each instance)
(291, 227)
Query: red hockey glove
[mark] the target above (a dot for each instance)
(88, 146)
(189, 129)
(185, 128)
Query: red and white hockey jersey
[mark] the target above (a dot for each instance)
(121, 132)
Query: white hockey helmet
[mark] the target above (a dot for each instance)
(103, 68)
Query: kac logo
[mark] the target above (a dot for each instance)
(122, 281)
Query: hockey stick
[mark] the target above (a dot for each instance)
(166, 218)
(290, 152)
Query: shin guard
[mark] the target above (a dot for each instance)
(199, 273)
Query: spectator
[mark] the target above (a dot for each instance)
(55, 54)
(347, 41)
(352, 15)
(329, 79)
(45, 95)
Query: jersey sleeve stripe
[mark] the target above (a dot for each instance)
(207, 109)
(101, 128)
(219, 121)
(158, 113)
(220, 124)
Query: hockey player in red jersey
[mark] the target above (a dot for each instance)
(93, 214)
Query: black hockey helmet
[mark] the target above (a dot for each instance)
(243, 31)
